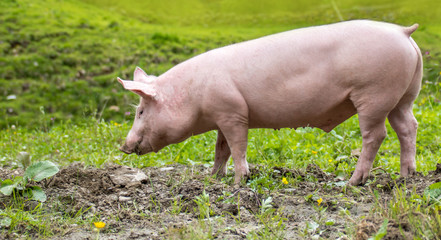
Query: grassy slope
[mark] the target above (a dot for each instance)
(270, 13)
(62, 57)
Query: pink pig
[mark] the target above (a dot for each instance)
(316, 77)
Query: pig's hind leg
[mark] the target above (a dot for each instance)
(402, 120)
(405, 125)
(222, 154)
(373, 131)
(372, 110)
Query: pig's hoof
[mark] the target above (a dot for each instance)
(407, 171)
(219, 173)
(238, 179)
(358, 180)
(355, 182)
(218, 176)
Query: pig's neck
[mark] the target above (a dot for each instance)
(173, 91)
(175, 100)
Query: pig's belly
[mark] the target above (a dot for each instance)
(304, 116)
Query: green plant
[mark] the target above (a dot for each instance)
(272, 220)
(18, 186)
(433, 193)
(203, 203)
(316, 227)
(407, 208)
(381, 232)
(177, 206)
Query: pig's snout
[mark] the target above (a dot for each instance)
(126, 149)
(130, 147)
(139, 147)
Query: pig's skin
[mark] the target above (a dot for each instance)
(316, 77)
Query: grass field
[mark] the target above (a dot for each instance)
(60, 100)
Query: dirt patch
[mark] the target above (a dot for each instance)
(164, 202)
(395, 230)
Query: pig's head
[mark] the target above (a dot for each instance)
(143, 137)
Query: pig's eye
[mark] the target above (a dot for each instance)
(140, 112)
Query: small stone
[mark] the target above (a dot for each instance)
(166, 169)
(289, 190)
(114, 108)
(125, 176)
(124, 199)
(231, 208)
(11, 97)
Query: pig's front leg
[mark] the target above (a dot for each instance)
(221, 155)
(236, 135)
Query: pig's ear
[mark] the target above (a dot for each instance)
(140, 88)
(140, 76)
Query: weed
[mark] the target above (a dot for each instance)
(409, 211)
(155, 205)
(272, 220)
(204, 205)
(381, 232)
(199, 229)
(33, 173)
(16, 217)
(177, 206)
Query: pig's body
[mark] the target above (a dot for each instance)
(317, 77)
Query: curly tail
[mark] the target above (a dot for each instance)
(409, 30)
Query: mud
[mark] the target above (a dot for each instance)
(162, 203)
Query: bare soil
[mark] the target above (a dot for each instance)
(159, 202)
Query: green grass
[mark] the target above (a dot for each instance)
(31, 219)
(407, 208)
(270, 13)
(96, 142)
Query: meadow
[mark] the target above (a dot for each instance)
(60, 102)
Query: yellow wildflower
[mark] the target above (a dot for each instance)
(284, 181)
(439, 73)
(330, 160)
(99, 225)
(314, 152)
(320, 200)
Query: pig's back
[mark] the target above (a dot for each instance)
(305, 77)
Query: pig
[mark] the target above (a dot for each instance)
(310, 77)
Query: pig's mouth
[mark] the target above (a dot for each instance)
(138, 150)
